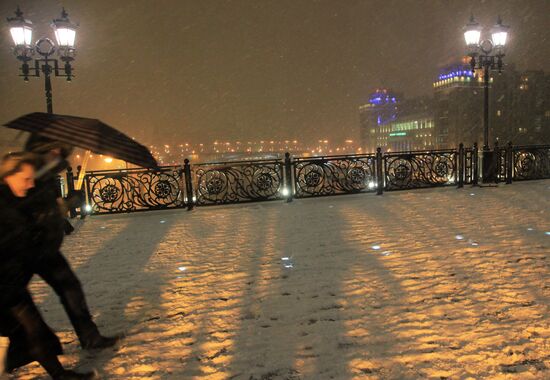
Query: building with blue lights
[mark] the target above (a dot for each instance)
(396, 124)
(458, 107)
(519, 107)
(519, 111)
(376, 115)
(414, 129)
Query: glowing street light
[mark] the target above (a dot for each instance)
(486, 55)
(21, 31)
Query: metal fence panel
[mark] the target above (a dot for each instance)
(332, 175)
(237, 182)
(531, 162)
(420, 169)
(501, 163)
(114, 191)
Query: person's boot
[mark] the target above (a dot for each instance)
(99, 341)
(72, 375)
(68, 227)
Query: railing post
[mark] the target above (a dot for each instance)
(88, 198)
(59, 186)
(288, 178)
(188, 184)
(379, 178)
(509, 163)
(497, 159)
(475, 164)
(70, 189)
(460, 165)
(82, 206)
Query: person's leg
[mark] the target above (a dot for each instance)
(56, 271)
(68, 227)
(32, 340)
(17, 323)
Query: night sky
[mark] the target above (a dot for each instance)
(194, 71)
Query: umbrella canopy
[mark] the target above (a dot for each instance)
(90, 134)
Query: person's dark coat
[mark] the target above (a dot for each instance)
(49, 263)
(42, 208)
(17, 254)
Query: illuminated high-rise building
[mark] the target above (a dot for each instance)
(375, 118)
(519, 107)
(519, 111)
(395, 124)
(458, 107)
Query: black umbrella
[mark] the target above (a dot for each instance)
(90, 134)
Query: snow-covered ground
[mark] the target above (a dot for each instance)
(427, 284)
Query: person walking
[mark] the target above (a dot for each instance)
(30, 337)
(50, 264)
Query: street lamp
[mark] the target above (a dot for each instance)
(65, 33)
(486, 55)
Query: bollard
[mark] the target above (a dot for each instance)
(288, 184)
(188, 184)
(379, 178)
(460, 166)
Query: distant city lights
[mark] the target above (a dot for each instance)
(176, 152)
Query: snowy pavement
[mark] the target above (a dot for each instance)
(426, 284)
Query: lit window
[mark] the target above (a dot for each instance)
(499, 113)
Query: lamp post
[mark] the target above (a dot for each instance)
(486, 55)
(65, 33)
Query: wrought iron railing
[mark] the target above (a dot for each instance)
(112, 191)
(412, 170)
(203, 184)
(236, 182)
(332, 175)
(530, 162)
(501, 162)
(470, 158)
